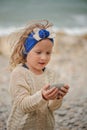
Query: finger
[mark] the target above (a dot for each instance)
(53, 97)
(66, 86)
(62, 93)
(46, 87)
(63, 89)
(53, 94)
(53, 91)
(49, 91)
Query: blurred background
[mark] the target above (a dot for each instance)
(65, 14)
(69, 59)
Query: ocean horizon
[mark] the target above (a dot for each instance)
(66, 15)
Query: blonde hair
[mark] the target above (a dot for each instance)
(17, 56)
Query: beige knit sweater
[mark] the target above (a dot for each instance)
(29, 110)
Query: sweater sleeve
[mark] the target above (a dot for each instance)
(54, 104)
(21, 93)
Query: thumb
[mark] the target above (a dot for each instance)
(46, 87)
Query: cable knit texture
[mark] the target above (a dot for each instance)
(29, 110)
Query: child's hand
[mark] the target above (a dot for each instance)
(63, 91)
(49, 94)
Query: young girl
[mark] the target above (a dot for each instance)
(33, 101)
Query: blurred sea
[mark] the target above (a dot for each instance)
(67, 15)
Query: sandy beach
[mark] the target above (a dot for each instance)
(70, 63)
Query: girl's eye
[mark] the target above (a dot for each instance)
(38, 52)
(48, 53)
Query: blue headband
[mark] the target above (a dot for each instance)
(34, 37)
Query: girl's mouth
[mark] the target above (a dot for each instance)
(41, 63)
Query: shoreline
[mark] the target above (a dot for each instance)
(68, 30)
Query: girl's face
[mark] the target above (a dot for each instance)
(39, 56)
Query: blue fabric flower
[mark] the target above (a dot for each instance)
(43, 33)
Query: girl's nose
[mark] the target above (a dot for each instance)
(44, 57)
